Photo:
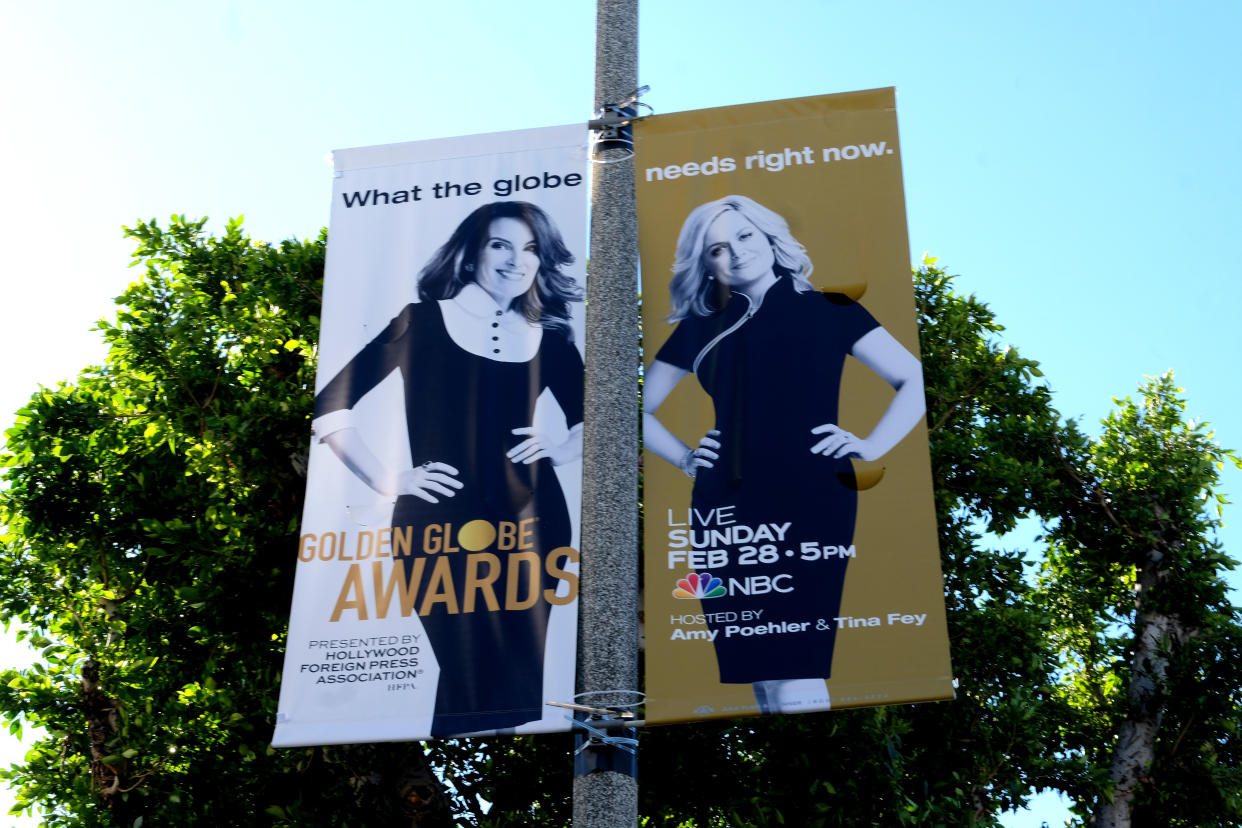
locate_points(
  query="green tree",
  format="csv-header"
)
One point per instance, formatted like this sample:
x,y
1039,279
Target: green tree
x,y
150,523
149,516
1148,637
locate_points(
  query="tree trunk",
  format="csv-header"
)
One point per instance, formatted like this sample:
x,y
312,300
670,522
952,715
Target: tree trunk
x,y
100,711
1156,636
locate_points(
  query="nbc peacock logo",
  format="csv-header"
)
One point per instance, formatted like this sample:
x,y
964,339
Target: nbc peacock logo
x,y
699,585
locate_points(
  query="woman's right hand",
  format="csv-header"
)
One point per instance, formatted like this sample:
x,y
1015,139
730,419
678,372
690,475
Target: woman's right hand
x,y
428,480
703,456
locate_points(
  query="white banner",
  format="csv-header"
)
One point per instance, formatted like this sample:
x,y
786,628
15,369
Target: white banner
x,y
436,587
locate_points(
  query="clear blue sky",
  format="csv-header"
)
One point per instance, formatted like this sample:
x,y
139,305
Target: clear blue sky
x,y
1075,163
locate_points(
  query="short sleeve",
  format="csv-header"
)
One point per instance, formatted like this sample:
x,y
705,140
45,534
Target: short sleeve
x,y
377,359
682,346
850,320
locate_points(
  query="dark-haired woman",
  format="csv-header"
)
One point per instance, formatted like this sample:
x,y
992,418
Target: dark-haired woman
x,y
490,334
769,350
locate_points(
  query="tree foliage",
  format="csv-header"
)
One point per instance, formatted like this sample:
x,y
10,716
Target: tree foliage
x,y
150,511
150,528
1148,638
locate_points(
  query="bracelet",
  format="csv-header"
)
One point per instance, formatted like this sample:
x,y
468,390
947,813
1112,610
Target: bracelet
x,y
687,464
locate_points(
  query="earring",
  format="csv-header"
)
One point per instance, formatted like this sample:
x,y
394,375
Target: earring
x,y
469,268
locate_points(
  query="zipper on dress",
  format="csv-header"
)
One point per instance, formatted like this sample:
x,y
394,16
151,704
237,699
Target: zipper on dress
x,y
750,311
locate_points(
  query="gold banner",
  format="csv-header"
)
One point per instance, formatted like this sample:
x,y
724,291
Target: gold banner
x,y
798,570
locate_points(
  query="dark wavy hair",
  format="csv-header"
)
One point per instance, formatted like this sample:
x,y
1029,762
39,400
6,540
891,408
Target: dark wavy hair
x,y
452,267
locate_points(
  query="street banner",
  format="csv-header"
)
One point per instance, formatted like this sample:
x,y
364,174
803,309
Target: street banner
x,y
437,565
791,561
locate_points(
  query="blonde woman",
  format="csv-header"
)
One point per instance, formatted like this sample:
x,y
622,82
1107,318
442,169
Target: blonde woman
x,y
769,350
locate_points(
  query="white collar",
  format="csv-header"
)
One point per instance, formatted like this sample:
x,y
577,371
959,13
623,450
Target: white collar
x,y
476,301
478,325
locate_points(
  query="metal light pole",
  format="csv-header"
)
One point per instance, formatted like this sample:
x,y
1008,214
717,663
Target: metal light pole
x,y
608,602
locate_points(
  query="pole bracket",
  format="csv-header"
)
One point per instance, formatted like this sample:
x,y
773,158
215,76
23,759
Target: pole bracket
x,y
605,738
613,127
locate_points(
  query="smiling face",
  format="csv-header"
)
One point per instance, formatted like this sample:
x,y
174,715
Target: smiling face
x,y
508,260
737,254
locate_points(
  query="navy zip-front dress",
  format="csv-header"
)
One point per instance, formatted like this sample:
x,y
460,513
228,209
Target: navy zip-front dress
x,y
461,409
773,374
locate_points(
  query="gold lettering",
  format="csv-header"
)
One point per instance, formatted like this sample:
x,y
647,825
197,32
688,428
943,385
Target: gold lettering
x,y
396,577
432,539
552,564
526,531
484,583
507,538
402,541
306,554
360,553
440,589
516,560
383,539
353,584
327,546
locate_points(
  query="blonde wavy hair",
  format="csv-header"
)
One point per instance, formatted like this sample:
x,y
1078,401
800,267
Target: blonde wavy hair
x,y
692,293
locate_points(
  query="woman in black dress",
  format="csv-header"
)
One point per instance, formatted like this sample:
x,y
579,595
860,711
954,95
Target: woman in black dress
x,y
490,334
770,349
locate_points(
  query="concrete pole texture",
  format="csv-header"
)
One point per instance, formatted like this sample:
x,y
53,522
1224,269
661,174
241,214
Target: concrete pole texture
x,y
608,602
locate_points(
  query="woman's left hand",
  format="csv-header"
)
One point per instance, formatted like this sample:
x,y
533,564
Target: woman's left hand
x,y
537,446
841,443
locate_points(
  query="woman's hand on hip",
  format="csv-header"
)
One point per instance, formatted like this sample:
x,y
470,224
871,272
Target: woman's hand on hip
x,y
538,446
838,442
702,456
429,480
